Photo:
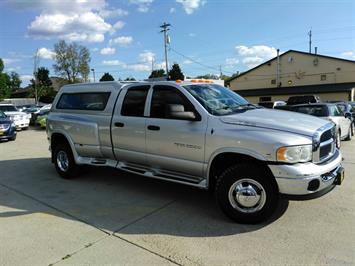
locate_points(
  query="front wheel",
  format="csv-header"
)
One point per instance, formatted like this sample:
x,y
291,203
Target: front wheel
x,y
247,193
64,161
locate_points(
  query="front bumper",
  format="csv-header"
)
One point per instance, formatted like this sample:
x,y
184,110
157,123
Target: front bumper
x,y
305,179
23,123
8,134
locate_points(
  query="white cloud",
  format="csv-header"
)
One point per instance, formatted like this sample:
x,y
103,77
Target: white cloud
x,y
95,49
113,63
232,61
8,61
191,6
187,62
255,55
111,13
74,20
143,5
74,27
26,78
172,10
122,40
349,54
45,53
108,51
146,57
192,34
139,67
118,25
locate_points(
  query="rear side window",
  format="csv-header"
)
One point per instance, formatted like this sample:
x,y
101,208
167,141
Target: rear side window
x,y
134,101
84,101
316,110
334,111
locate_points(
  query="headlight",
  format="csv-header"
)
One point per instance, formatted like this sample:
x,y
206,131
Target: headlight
x,y
294,154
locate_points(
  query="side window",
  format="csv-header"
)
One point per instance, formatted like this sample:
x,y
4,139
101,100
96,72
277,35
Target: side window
x,y
134,101
84,101
165,95
335,111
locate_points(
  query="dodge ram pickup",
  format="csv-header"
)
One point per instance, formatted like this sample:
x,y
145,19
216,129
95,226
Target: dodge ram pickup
x,y
196,133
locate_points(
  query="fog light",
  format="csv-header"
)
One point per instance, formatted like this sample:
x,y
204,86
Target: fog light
x,y
313,185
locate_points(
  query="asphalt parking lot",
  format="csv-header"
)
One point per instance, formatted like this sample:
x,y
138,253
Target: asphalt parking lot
x,y
110,217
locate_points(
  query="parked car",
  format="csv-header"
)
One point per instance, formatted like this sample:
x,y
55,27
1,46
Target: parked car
x,y
345,127
41,111
199,134
42,119
21,119
347,109
293,100
272,105
7,127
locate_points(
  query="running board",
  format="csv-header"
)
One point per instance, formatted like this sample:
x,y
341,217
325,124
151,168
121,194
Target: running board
x,y
163,176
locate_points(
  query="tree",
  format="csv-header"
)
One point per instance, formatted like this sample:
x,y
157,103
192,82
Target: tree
x,y
42,85
107,77
72,61
158,73
208,76
130,79
175,73
14,81
4,82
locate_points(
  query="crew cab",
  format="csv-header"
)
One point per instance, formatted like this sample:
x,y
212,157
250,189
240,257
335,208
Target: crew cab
x,y
196,133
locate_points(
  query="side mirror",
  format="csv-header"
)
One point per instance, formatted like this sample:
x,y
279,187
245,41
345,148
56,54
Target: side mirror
x,y
177,111
348,115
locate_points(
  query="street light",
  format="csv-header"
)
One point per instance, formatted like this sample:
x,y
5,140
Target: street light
x,y
93,73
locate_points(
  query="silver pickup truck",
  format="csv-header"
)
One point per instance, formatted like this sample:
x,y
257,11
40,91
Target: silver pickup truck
x,y
199,134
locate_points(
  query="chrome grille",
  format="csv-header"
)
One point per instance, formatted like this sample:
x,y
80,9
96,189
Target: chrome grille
x,y
325,146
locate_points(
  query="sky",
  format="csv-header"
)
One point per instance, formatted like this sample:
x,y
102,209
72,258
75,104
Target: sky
x,y
206,36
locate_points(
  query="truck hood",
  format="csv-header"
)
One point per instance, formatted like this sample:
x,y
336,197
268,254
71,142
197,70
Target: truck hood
x,y
277,120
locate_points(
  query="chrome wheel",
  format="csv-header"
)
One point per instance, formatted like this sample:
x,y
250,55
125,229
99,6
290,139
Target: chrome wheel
x,y
247,195
62,161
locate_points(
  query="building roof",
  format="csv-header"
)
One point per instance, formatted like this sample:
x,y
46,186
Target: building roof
x,y
290,51
308,89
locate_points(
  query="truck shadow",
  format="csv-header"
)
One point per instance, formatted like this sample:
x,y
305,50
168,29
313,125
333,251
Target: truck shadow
x,y
114,201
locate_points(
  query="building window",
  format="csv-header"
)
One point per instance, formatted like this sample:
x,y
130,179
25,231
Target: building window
x,y
323,77
265,99
273,81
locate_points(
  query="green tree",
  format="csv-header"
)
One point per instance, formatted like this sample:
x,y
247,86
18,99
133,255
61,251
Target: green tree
x,y
4,82
208,76
107,77
158,73
14,81
42,84
72,61
130,79
175,73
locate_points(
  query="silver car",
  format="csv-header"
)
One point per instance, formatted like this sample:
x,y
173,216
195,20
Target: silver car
x,y
332,113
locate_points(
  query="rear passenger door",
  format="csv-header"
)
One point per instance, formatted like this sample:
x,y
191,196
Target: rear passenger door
x,y
174,145
129,125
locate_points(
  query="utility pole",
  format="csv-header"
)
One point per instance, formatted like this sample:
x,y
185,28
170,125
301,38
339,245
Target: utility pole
x,y
220,72
310,41
35,69
165,29
152,63
93,73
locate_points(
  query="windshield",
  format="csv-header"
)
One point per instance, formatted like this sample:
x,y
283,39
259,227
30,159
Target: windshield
x,y
218,100
8,108
2,115
315,110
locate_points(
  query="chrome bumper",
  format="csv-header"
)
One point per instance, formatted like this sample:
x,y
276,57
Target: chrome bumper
x,y
308,178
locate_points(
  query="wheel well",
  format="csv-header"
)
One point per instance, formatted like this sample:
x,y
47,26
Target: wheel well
x,y
57,138
224,160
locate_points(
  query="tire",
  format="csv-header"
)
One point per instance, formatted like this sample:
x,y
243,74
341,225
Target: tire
x,y
13,138
64,161
338,140
353,129
349,136
253,179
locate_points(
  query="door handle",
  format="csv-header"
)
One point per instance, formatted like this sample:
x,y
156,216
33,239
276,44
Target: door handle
x,y
152,127
119,124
